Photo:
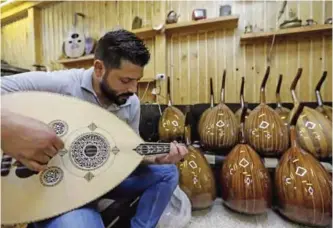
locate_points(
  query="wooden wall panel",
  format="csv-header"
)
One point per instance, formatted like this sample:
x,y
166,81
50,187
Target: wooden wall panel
x,y
15,48
215,51
193,58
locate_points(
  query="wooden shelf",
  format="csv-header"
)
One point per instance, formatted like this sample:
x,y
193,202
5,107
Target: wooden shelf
x,y
145,33
16,9
225,22
76,60
299,31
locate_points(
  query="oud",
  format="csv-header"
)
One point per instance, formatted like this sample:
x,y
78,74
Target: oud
x,y
100,151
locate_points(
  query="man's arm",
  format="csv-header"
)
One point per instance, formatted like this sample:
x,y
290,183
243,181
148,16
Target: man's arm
x,y
55,81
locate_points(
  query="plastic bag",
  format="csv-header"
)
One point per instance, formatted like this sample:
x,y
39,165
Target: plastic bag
x,y
178,212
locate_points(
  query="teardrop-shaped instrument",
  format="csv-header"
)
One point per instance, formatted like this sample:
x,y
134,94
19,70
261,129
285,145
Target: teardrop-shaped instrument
x,y
264,129
246,185
303,186
172,122
220,128
196,177
314,131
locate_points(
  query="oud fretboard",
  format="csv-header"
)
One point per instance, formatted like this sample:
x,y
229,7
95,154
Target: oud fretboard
x,y
153,148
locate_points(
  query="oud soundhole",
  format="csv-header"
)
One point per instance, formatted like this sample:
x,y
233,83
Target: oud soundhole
x,y
90,150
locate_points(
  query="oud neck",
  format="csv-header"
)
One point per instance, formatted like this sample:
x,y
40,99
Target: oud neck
x,y
151,148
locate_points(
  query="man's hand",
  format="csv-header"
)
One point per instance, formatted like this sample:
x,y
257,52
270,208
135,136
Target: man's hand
x,y
31,142
177,152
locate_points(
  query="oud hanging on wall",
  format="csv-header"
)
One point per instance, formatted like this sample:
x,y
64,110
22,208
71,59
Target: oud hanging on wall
x,y
323,109
283,112
264,129
219,128
172,122
314,131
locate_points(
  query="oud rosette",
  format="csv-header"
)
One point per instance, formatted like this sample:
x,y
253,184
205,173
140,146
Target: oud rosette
x,y
266,132
219,128
246,185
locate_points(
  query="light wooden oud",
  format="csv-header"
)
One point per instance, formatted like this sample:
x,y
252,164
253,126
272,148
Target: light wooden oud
x,y
283,112
246,185
241,98
323,109
100,152
303,186
196,177
264,129
172,122
220,128
314,131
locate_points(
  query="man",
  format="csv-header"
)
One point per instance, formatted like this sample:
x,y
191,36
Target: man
x,y
111,83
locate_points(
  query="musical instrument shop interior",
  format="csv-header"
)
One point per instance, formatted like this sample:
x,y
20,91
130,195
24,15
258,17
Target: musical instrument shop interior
x,y
245,85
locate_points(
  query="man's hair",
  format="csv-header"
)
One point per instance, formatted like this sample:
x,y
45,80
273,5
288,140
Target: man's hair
x,y
121,44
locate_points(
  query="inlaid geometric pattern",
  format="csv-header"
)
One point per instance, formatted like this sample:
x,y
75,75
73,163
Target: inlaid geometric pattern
x,y
92,126
300,171
244,163
89,176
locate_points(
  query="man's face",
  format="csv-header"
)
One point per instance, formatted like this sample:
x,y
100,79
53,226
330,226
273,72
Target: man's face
x,y
119,84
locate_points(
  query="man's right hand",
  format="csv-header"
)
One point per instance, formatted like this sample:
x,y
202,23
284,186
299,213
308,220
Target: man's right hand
x,y
30,141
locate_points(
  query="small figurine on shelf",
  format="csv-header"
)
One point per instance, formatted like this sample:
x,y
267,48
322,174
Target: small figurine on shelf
x,y
172,17
137,22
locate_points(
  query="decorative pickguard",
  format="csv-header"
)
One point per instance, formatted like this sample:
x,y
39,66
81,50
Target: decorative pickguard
x,y
153,148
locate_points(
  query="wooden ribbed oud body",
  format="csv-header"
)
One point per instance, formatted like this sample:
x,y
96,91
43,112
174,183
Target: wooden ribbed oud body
x,y
283,113
202,118
196,179
171,124
266,132
326,111
304,188
314,133
219,129
246,185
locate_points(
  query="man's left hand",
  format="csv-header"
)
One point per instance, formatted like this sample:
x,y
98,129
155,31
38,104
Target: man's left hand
x,y
177,152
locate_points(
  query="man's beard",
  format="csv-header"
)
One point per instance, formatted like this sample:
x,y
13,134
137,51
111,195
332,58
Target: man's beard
x,y
111,95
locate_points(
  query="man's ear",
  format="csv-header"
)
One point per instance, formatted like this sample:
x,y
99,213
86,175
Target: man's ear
x,y
99,68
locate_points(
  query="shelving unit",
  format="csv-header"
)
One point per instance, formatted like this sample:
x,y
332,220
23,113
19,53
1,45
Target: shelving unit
x,y
210,24
298,31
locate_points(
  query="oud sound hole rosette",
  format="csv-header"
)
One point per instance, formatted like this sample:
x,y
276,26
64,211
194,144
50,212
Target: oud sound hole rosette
x,y
60,127
89,151
51,176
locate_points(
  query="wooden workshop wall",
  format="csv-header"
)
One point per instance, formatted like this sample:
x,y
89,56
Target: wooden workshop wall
x,y
15,48
193,58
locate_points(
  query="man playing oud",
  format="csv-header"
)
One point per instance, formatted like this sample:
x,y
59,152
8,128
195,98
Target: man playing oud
x,y
111,83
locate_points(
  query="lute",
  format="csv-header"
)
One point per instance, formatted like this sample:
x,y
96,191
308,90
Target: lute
x,y
100,151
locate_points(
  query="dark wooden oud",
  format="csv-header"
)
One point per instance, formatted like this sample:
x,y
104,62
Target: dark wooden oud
x,y
264,129
196,177
246,185
100,151
283,112
304,187
241,96
323,109
172,122
314,131
219,129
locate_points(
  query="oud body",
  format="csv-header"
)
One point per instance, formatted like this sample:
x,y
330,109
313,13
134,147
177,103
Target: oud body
x,y
219,129
100,151
264,129
304,187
